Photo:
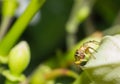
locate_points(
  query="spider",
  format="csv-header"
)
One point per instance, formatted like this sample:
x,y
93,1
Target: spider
x,y
83,54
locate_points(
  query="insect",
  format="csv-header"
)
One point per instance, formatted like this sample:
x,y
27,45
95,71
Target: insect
x,y
83,54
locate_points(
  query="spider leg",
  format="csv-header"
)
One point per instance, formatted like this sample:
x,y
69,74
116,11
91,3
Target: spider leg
x,y
95,42
92,49
81,65
88,51
80,61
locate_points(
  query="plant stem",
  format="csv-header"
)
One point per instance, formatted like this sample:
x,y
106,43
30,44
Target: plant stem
x,y
80,12
82,79
8,10
4,26
59,72
19,27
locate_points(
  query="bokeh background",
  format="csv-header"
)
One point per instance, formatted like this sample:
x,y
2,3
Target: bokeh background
x,y
47,34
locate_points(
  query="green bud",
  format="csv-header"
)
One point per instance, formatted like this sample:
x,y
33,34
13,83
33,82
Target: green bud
x,y
83,13
38,76
19,58
9,7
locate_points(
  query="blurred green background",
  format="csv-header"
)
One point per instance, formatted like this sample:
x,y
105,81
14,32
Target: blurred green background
x,y
48,35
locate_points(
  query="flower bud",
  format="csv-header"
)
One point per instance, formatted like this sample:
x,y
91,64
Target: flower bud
x,y
19,58
9,7
38,76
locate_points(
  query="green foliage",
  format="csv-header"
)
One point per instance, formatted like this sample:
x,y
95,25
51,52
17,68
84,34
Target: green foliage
x,y
64,26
